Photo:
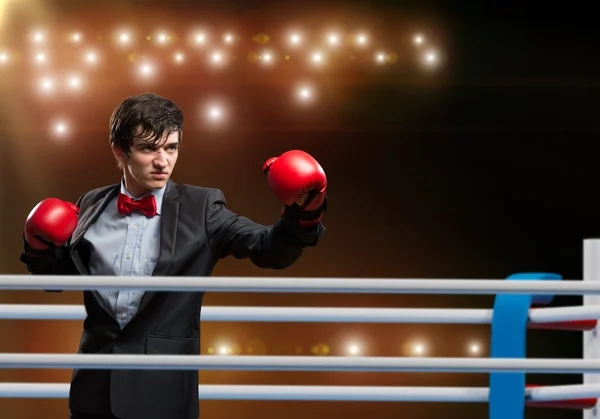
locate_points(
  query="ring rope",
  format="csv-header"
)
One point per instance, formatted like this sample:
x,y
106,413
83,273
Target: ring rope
x,y
330,393
299,363
320,314
299,285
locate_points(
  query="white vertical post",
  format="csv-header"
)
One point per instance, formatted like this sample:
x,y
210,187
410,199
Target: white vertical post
x,y
591,339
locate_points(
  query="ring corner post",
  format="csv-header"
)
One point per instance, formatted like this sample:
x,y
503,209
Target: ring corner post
x,y
591,340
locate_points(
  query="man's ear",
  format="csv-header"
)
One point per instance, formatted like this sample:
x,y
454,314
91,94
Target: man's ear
x,y
117,152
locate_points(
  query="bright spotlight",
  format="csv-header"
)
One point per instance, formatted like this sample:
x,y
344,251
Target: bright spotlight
x,y
38,37
333,39
223,350
418,349
266,58
317,58
41,58
124,37
3,57
305,94
46,84
217,58
75,37
178,57
162,38
60,129
228,38
295,39
430,58
146,69
474,348
198,38
418,39
74,82
361,39
380,57
90,57
353,349
215,113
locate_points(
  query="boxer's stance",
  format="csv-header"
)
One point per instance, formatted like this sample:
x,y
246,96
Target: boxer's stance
x,y
149,225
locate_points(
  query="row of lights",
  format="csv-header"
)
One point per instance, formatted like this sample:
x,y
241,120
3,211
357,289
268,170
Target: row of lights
x,y
201,38
352,349
217,57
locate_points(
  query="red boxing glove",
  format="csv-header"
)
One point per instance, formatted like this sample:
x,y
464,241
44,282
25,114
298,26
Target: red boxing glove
x,y
49,225
293,175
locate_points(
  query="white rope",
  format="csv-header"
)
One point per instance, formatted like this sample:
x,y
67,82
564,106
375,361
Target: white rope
x,y
299,285
319,314
329,393
298,363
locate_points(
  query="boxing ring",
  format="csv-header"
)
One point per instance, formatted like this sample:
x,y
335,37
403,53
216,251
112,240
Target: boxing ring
x,y
518,307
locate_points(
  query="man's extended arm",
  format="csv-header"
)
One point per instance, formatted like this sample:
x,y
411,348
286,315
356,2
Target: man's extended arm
x,y
276,246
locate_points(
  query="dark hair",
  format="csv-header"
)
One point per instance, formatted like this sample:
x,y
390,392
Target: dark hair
x,y
147,116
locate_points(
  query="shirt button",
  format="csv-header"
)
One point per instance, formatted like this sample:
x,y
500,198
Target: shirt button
x,y
134,227
128,256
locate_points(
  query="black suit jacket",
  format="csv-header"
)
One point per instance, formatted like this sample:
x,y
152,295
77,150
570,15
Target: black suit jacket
x,y
197,229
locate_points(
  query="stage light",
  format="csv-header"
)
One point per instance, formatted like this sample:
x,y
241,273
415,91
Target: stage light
x,y
215,113
431,57
75,37
90,57
353,349
198,38
361,39
295,39
47,85
418,39
217,58
38,37
317,58
266,58
3,57
60,129
124,38
474,348
333,39
146,69
418,349
41,58
305,93
178,57
380,57
74,82
228,38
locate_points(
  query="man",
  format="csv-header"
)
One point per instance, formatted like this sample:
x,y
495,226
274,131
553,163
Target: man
x,y
150,225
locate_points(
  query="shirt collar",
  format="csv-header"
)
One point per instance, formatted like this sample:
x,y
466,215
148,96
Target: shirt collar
x,y
158,195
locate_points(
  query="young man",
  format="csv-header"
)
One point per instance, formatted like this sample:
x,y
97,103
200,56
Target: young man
x,y
149,225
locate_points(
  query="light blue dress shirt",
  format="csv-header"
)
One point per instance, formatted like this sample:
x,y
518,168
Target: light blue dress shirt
x,y
125,245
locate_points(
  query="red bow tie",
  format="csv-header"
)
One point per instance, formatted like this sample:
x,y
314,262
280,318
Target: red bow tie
x,y
146,205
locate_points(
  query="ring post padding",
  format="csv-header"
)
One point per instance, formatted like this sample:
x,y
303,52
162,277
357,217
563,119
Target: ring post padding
x,y
509,340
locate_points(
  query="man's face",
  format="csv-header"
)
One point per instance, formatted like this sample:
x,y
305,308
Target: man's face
x,y
149,166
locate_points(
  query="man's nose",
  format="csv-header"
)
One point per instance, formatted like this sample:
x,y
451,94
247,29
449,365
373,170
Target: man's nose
x,y
160,160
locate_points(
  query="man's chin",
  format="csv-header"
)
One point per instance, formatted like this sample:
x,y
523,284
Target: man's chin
x,y
156,183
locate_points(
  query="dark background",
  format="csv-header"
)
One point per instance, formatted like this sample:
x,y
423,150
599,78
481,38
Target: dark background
x,y
480,168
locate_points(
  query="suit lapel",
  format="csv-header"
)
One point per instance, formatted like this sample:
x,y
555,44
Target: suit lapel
x,y
87,218
169,220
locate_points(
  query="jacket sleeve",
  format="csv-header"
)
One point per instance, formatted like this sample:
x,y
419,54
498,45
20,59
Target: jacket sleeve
x,y
275,246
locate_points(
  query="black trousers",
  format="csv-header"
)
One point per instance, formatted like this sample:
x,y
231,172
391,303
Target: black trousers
x,y
76,415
